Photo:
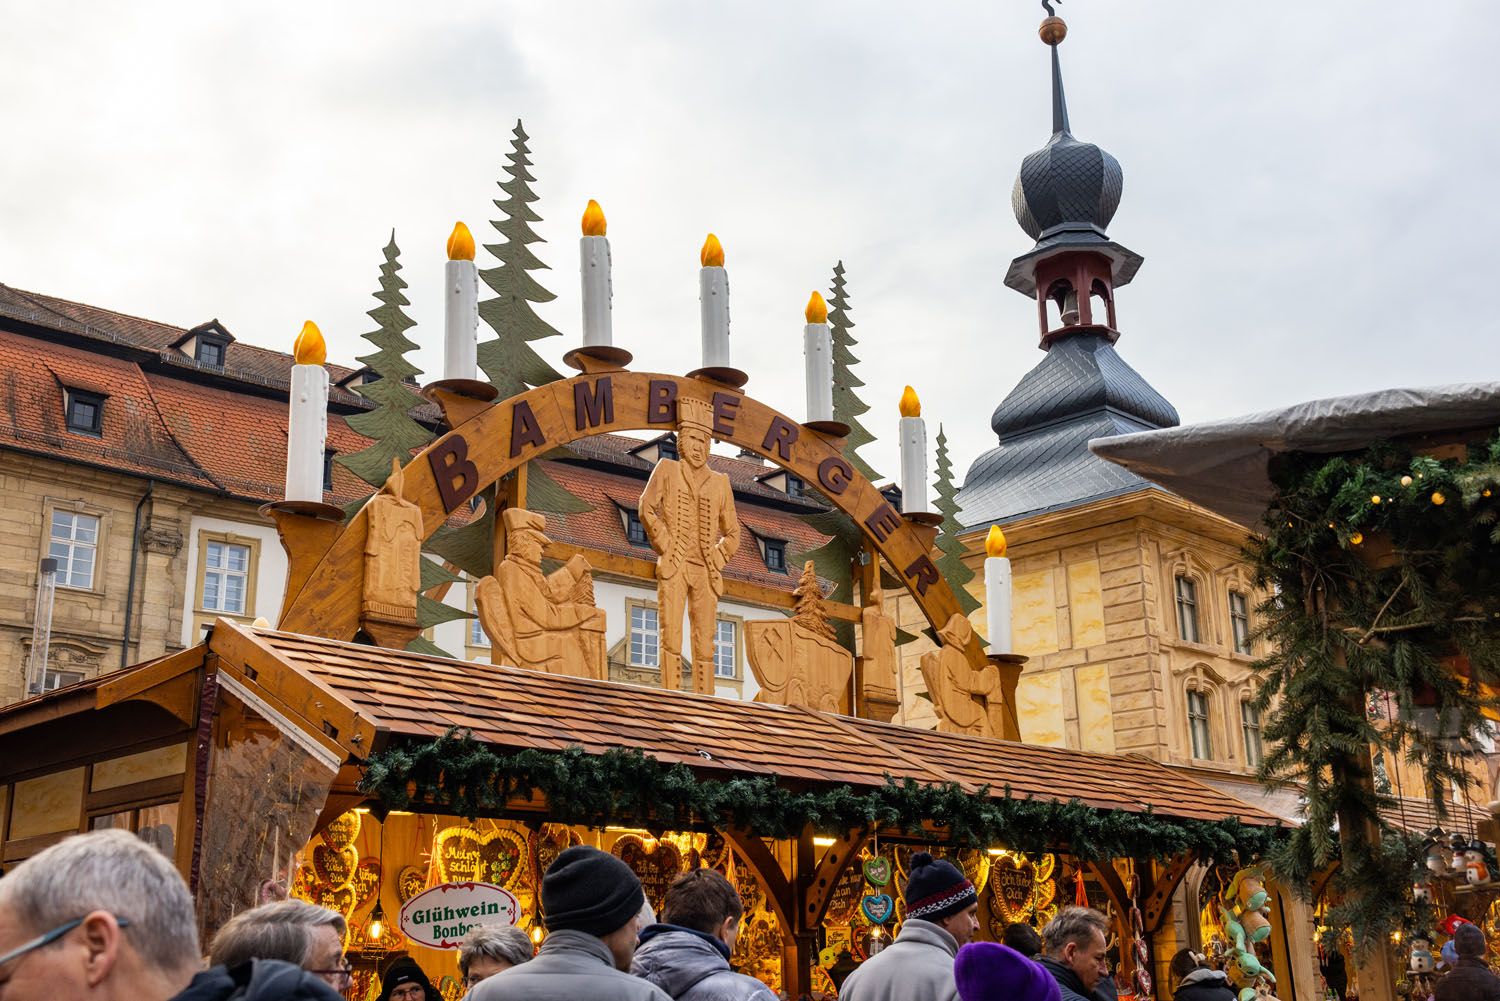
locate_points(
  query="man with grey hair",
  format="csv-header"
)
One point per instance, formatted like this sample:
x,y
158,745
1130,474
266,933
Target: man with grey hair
x,y
488,949
293,931
105,917
1075,951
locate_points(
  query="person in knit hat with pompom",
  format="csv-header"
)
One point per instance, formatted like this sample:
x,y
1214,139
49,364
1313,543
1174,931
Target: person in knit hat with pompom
x,y
941,909
592,907
989,971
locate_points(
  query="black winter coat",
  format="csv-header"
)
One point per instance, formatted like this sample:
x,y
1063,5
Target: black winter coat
x,y
1204,985
258,980
1470,980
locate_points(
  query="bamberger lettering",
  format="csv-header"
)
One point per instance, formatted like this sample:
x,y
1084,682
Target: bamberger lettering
x,y
661,402
835,474
524,429
593,405
883,521
780,436
725,405
922,573
455,474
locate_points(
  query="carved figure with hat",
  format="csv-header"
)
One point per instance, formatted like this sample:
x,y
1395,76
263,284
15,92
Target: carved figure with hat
x,y
539,621
688,512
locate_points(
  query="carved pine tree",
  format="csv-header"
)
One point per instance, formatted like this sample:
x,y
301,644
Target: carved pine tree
x,y
847,406
393,432
951,564
508,360
809,611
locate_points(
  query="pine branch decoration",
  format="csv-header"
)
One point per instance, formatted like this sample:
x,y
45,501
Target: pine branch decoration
x,y
951,564
847,406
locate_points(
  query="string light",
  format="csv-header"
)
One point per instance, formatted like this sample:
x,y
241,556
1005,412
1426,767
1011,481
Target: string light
x,y
1438,498
1356,538
1406,481
1374,498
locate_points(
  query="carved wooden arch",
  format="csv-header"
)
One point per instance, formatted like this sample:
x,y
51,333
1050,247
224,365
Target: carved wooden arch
x,y
489,440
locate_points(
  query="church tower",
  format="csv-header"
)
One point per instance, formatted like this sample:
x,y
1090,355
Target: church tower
x,y
1064,198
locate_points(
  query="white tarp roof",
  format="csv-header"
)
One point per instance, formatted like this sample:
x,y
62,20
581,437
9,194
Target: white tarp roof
x,y
1222,464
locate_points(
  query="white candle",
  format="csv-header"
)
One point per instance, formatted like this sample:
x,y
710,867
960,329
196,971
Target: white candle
x,y
593,254
913,453
997,591
307,424
817,352
461,318
713,301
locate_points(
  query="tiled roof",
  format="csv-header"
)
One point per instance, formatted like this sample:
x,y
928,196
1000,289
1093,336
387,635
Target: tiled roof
x,y
1081,390
1417,816
411,695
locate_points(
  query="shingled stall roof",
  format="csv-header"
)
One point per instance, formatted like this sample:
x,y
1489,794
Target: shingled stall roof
x,y
395,694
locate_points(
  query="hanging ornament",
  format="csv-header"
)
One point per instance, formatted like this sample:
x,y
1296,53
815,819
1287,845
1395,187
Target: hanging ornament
x,y
1356,538
1406,481
1420,960
877,870
1438,498
1421,890
1436,863
1080,892
1476,866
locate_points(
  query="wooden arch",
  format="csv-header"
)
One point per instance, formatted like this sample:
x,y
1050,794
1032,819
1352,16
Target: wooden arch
x,y
489,440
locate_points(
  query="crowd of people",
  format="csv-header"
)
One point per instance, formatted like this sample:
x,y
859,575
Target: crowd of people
x,y
105,917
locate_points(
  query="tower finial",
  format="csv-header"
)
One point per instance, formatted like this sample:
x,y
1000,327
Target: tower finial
x,y
1053,30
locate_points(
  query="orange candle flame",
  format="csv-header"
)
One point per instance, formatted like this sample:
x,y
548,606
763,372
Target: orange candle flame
x,y
994,543
910,405
309,348
460,243
593,220
712,254
817,309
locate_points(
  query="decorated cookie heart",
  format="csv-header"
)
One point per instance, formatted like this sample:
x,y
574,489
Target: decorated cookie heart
x,y
843,903
410,882
463,855
657,867
744,880
878,908
304,882
550,842
366,881
336,898
334,866
450,988
878,870
342,830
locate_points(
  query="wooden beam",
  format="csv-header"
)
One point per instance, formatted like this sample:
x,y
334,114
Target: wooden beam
x,y
818,893
1318,884
1158,903
768,874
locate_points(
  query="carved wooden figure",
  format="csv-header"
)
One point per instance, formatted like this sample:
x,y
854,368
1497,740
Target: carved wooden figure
x,y
797,661
967,701
687,510
536,621
393,564
877,659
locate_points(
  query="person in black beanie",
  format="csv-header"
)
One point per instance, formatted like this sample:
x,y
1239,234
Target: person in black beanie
x,y
405,981
590,906
941,909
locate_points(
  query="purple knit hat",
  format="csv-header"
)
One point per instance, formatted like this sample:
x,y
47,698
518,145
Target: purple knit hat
x,y
989,971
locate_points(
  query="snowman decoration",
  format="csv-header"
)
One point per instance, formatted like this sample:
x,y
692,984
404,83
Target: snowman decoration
x,y
1476,867
1421,954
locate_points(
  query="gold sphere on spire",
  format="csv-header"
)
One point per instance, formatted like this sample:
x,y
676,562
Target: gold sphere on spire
x,y
1053,30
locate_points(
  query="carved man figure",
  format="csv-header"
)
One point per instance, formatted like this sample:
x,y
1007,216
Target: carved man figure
x,y
393,564
964,698
536,621
878,657
687,510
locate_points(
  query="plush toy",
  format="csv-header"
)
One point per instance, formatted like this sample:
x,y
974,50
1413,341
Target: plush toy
x,y
1246,912
1476,867
1421,954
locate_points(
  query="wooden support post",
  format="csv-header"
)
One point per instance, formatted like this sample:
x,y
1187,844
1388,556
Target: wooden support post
x,y
1114,889
1158,898
800,943
817,894
780,896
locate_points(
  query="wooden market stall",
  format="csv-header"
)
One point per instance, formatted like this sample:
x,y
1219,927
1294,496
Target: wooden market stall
x,y
252,753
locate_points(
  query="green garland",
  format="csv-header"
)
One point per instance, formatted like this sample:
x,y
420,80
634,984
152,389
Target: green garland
x,y
457,773
1384,566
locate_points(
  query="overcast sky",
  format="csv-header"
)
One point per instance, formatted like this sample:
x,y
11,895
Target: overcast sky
x,y
1312,185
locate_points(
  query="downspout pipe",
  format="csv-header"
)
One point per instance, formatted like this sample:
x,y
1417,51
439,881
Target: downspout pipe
x,y
135,549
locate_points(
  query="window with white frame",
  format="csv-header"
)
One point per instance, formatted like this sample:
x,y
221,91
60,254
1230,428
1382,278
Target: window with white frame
x,y
645,637
477,636
1239,621
1198,726
53,680
74,544
226,574
1250,725
1187,609
724,646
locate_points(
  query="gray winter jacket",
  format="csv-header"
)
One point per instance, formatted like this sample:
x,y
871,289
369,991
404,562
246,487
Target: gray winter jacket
x,y
690,967
917,966
570,966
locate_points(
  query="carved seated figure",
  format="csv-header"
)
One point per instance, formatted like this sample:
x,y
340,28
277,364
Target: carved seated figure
x,y
537,621
966,700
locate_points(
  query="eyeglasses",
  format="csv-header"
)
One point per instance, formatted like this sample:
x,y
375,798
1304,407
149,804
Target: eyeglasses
x,y
345,972
52,936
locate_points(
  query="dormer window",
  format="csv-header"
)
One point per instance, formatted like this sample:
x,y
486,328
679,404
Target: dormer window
x,y
666,448
210,350
635,532
795,487
775,554
328,455
84,412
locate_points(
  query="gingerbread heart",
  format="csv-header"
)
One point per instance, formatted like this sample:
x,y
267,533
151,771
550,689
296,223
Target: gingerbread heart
x,y
304,883
843,903
450,988
751,893
877,870
334,866
342,830
336,898
410,882
463,855
549,842
657,867
878,908
366,881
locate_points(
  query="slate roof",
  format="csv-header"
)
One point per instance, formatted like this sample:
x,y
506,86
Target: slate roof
x,y
411,695
1081,390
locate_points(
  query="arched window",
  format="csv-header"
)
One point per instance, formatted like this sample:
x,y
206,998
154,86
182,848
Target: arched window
x,y
1187,609
1200,732
1250,730
1239,622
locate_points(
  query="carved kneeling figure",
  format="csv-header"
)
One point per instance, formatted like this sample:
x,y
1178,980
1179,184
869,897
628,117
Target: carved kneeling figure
x,y
537,621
